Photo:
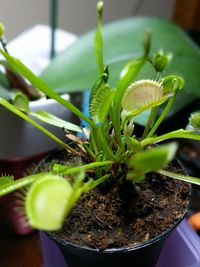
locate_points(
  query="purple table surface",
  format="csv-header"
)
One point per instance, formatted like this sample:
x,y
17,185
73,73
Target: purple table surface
x,y
182,249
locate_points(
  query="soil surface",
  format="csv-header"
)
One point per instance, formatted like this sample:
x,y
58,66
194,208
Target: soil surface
x,y
127,214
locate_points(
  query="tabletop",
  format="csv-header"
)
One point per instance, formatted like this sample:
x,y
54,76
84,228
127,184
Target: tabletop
x,y
20,250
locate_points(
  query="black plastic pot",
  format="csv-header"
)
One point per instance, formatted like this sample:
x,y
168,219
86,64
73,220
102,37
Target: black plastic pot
x,y
145,254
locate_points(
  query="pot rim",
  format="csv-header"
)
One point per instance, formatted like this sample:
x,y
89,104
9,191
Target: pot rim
x,y
121,249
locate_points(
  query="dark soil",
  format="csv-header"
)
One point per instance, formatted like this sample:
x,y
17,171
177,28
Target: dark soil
x,y
127,213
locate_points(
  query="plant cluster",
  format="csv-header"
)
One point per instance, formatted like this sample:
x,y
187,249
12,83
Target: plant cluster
x,y
109,144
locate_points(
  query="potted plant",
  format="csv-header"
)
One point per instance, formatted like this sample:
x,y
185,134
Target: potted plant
x,y
21,144
110,185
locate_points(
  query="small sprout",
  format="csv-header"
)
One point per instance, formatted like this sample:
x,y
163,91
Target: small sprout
x,y
172,83
194,120
161,61
2,30
100,9
47,201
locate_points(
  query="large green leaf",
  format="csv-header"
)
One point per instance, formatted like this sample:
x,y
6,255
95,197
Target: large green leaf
x,y
76,69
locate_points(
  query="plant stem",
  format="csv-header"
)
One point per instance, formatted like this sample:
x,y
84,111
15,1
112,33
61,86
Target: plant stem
x,y
105,146
128,74
17,184
98,39
162,116
18,66
149,121
184,134
67,170
19,113
177,176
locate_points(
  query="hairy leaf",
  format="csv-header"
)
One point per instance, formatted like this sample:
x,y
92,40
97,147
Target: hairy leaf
x,y
142,95
98,84
46,202
14,185
101,102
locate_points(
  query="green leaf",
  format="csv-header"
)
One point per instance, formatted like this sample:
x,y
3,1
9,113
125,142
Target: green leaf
x,y
127,75
101,102
58,168
184,134
25,117
152,159
76,69
21,102
14,185
94,183
19,67
55,121
178,176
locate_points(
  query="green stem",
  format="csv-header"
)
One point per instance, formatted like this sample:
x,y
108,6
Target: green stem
x,y
177,176
104,144
128,74
18,66
98,39
149,121
94,141
184,134
67,170
15,185
162,116
89,151
19,113
91,184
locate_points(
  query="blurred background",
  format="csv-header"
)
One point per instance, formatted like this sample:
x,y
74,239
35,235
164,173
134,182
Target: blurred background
x,y
77,16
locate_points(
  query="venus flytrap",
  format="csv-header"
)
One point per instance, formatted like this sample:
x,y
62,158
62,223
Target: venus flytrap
x,y
109,151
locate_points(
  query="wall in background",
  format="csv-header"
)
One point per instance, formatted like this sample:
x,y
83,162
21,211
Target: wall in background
x,y
76,16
